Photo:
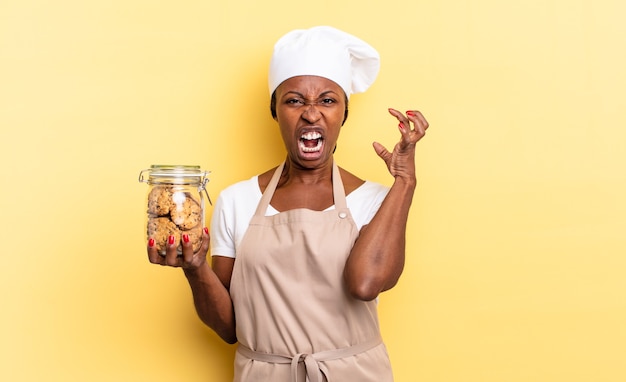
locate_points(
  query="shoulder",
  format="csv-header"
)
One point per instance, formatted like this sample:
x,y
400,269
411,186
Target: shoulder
x,y
238,198
365,201
231,214
245,188
369,191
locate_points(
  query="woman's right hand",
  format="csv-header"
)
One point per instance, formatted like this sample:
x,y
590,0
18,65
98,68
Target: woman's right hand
x,y
189,260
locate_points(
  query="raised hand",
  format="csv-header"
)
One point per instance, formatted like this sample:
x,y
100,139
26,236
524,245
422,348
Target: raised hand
x,y
401,161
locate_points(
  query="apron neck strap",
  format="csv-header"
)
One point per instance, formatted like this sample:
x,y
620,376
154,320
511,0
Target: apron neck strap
x,y
339,194
269,191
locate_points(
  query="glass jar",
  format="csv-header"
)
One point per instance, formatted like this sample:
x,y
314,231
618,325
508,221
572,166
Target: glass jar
x,y
175,204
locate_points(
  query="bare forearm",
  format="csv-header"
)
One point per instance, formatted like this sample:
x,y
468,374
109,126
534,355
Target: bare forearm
x,y
377,258
212,301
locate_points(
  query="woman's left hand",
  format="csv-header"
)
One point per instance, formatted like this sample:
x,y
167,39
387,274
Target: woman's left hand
x,y
401,161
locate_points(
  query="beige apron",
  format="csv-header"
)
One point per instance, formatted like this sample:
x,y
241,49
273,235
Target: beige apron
x,y
295,318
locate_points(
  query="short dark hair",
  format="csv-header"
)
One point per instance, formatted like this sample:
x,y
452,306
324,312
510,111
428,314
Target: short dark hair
x,y
273,107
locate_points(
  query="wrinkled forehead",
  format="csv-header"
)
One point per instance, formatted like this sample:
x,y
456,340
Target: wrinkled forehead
x,y
309,86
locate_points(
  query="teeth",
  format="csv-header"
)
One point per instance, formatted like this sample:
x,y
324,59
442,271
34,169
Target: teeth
x,y
311,135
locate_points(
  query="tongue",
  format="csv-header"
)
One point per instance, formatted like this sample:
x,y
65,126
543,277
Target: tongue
x,y
310,142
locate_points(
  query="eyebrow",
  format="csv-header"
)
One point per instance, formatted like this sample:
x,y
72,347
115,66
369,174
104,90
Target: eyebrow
x,y
324,93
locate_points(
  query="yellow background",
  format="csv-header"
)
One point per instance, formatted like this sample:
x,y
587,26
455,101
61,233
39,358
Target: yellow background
x,y
516,268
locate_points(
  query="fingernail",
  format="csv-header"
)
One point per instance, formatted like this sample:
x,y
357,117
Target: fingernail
x,y
410,113
170,239
206,230
186,238
401,126
151,242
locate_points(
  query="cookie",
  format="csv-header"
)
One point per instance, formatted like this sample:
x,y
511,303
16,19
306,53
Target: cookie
x,y
160,229
172,211
159,201
185,211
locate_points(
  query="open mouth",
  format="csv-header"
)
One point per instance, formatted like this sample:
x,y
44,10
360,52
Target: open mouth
x,y
311,142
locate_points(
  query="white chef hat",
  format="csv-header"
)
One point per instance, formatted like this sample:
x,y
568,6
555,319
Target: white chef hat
x,y
326,52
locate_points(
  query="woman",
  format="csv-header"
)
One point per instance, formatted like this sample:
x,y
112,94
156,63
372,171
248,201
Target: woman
x,y
300,252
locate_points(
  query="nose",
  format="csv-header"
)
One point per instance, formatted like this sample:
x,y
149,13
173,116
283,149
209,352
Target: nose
x,y
311,114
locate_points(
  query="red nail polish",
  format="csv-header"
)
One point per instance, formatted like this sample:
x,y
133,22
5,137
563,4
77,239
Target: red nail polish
x,y
206,230
170,239
151,242
186,238
410,113
401,126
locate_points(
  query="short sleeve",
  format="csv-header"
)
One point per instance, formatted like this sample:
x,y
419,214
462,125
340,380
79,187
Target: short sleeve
x,y
233,210
222,239
365,201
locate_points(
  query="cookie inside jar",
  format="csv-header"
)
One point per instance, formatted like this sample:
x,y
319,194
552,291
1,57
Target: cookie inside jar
x,y
174,211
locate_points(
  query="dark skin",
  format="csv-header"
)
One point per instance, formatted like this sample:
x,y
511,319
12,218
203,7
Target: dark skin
x,y
308,105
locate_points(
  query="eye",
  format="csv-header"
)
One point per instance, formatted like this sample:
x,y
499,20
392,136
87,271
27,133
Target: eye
x,y
327,101
294,101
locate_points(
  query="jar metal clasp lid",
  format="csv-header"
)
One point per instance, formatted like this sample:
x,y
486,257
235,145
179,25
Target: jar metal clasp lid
x,y
157,171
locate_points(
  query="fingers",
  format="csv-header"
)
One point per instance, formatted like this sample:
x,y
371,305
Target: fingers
x,y
171,253
206,239
404,124
420,124
382,152
397,114
153,253
155,256
173,256
187,248
190,257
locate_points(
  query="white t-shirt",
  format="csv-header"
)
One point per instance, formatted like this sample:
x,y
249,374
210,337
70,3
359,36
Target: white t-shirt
x,y
236,205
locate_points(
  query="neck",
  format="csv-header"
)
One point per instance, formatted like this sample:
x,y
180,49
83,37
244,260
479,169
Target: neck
x,y
293,173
